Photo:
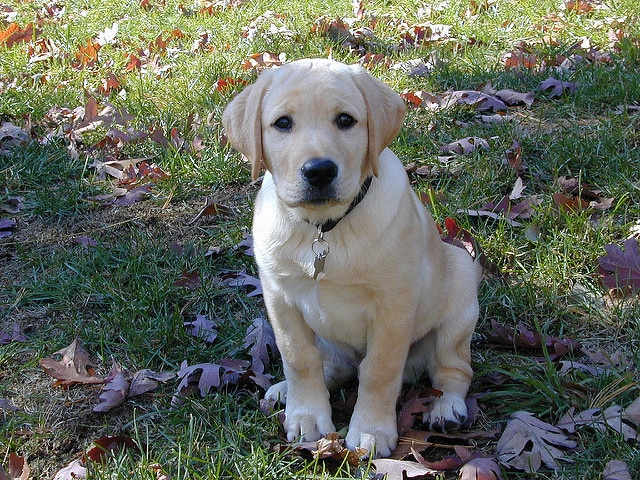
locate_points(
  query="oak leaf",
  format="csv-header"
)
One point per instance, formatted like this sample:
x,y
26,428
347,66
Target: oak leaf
x,y
616,470
465,146
203,328
74,367
18,468
527,442
114,391
260,341
625,422
620,269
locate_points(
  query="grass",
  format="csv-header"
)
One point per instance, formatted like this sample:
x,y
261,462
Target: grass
x,y
120,296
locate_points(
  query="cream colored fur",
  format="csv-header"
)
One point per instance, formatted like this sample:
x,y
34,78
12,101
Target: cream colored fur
x,y
393,301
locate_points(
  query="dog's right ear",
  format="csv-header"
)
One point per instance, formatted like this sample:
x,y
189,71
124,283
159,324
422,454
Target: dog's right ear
x,y
242,121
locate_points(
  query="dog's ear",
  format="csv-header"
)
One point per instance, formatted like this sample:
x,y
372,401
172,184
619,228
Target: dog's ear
x,y
385,113
242,121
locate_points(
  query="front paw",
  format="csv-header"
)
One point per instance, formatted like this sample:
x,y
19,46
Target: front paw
x,y
378,437
307,423
448,412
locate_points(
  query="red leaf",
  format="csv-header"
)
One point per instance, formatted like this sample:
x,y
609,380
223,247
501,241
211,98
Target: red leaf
x,y
87,56
110,446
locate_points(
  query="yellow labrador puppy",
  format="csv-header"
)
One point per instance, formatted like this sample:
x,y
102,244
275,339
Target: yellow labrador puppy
x,y
356,278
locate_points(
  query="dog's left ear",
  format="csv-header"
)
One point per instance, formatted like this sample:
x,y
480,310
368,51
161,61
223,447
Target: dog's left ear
x,y
242,121
385,113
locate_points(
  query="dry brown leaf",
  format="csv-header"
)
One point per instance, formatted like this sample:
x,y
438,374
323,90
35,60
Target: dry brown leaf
x,y
74,367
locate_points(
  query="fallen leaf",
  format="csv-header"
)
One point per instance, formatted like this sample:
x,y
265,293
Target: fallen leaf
x,y
18,468
5,228
392,469
465,146
206,376
212,209
74,367
625,422
616,470
74,471
479,100
331,447
146,380
261,61
203,328
87,55
190,280
480,469
11,137
511,97
114,391
526,338
16,335
261,344
14,34
620,269
243,279
558,87
109,446
527,442
7,406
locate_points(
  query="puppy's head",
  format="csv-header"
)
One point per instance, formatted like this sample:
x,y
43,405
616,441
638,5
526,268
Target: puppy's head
x,y
319,127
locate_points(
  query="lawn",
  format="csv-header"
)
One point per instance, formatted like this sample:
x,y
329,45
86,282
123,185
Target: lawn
x,y
125,221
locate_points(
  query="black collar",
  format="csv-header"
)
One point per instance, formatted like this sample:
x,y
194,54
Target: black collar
x,y
330,224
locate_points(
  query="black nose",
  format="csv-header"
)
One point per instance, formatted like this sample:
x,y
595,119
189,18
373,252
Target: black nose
x,y
319,172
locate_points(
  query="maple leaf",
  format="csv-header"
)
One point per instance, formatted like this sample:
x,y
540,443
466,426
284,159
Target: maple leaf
x,y
202,328
261,342
74,367
465,146
114,391
87,55
625,422
18,468
14,34
620,269
527,442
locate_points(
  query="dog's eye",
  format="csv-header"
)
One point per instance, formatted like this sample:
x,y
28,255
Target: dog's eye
x,y
344,121
283,123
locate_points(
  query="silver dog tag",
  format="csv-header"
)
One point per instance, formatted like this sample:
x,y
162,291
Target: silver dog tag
x,y
318,266
320,249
